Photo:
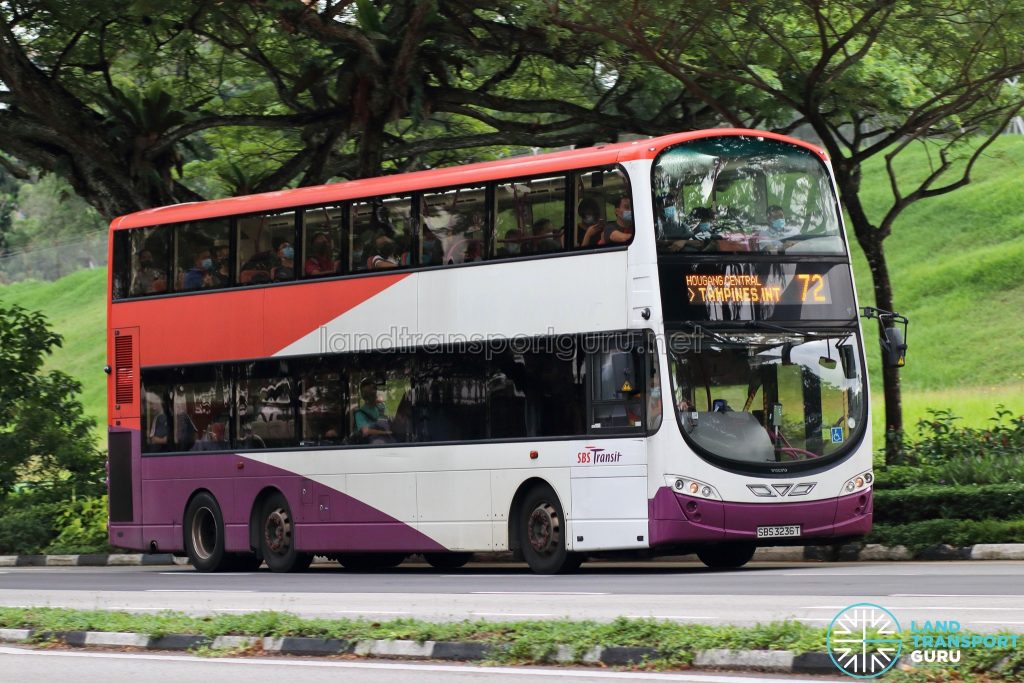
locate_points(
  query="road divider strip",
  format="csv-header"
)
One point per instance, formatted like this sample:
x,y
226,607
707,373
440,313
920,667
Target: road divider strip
x,y
748,660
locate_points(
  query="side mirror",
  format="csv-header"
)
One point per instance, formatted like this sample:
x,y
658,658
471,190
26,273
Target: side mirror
x,y
894,348
893,339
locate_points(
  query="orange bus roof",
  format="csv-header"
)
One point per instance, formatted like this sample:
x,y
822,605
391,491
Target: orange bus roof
x,y
452,176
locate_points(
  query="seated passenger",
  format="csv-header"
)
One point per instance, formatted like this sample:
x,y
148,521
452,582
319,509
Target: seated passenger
x,y
622,229
591,225
148,278
431,251
200,275
321,260
511,244
284,267
372,423
384,257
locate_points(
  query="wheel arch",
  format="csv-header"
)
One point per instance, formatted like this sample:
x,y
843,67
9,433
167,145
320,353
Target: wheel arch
x,y
514,516
254,515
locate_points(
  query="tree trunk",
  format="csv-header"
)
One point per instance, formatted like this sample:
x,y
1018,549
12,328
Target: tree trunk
x,y
870,240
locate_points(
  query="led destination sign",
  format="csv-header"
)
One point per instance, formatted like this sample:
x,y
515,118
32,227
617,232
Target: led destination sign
x,y
766,290
723,288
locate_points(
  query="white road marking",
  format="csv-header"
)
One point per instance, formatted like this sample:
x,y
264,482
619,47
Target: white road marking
x,y
664,616
195,590
395,666
929,607
534,593
509,614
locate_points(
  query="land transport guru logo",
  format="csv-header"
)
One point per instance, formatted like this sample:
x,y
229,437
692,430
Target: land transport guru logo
x,y
864,640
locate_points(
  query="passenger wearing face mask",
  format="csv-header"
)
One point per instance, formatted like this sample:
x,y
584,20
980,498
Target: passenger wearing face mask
x,y
511,244
200,275
284,267
776,219
591,225
622,229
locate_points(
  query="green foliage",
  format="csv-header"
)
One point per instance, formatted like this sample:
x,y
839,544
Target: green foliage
x,y
917,536
942,440
82,527
46,444
28,525
921,503
49,211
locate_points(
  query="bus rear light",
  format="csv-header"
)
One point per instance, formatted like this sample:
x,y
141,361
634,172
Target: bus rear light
x,y
859,481
534,455
679,485
694,487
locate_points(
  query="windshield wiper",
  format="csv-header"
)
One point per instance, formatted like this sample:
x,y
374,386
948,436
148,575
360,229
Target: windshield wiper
x,y
711,333
754,324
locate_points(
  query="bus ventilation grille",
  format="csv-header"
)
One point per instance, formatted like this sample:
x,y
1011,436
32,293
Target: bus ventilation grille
x,y
125,378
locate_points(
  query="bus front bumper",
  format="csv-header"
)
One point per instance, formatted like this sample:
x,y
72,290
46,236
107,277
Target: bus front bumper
x,y
677,519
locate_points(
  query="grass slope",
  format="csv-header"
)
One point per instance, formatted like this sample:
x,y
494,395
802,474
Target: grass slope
x,y
956,262
957,268
75,308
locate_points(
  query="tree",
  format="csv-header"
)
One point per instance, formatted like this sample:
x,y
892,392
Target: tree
x,y
44,437
144,104
870,78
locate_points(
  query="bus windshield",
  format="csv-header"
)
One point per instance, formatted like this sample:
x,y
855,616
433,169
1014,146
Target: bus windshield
x,y
768,398
744,194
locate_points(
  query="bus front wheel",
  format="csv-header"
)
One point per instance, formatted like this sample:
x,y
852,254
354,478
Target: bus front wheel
x,y
727,555
542,532
447,560
277,537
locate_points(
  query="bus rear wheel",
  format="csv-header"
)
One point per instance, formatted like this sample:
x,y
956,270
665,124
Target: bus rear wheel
x,y
727,555
447,560
277,537
542,533
204,534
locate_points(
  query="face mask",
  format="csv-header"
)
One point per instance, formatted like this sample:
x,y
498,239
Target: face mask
x,y
589,219
320,248
627,216
288,252
655,392
207,264
704,225
778,224
145,264
513,248
670,213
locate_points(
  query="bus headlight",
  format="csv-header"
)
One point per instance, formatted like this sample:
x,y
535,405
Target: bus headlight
x,y
691,487
859,483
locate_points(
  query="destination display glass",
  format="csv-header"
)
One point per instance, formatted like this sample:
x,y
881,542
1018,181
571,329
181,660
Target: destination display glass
x,y
722,292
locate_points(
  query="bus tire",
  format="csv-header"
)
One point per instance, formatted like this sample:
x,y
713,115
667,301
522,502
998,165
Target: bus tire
x,y
277,537
370,561
727,555
447,560
542,533
204,534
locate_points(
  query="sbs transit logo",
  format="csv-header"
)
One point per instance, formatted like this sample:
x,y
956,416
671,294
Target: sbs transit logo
x,y
864,640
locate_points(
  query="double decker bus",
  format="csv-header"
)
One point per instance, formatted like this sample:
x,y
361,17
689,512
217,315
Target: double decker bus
x,y
641,348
